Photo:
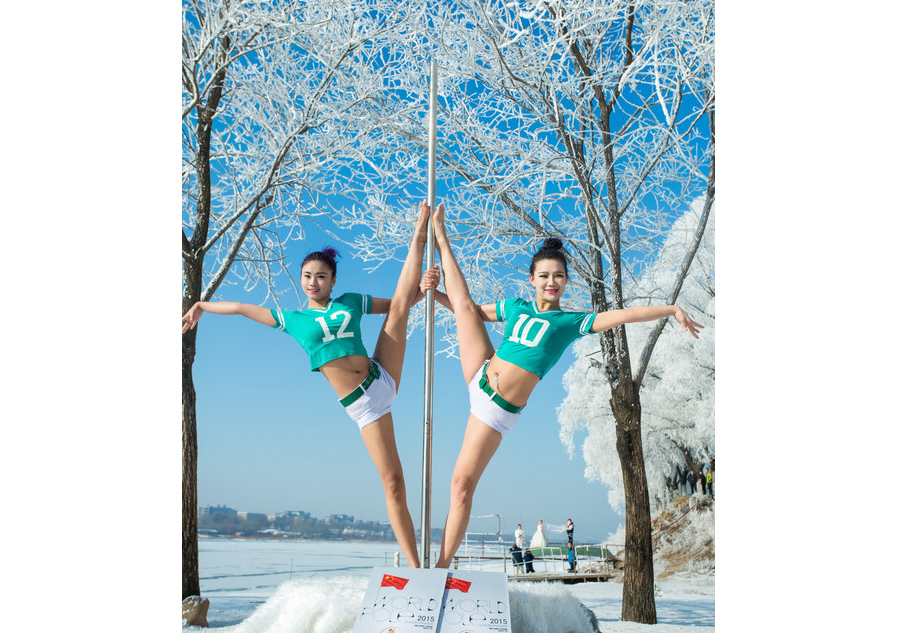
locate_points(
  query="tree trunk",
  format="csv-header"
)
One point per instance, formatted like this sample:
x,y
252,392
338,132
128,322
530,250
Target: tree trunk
x,y
190,549
638,601
192,260
190,556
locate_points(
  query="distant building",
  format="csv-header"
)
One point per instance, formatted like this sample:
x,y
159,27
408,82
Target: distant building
x,y
208,511
339,518
293,514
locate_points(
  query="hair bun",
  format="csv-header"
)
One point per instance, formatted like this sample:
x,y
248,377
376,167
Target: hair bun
x,y
552,243
330,252
552,248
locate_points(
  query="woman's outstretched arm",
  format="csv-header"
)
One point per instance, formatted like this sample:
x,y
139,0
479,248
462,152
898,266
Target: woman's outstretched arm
x,y
614,318
430,280
256,313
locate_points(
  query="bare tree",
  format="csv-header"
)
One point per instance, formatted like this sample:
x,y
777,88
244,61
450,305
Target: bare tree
x,y
678,390
591,119
272,105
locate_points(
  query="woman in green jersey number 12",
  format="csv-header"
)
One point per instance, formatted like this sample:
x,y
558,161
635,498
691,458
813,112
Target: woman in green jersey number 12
x,y
329,331
536,334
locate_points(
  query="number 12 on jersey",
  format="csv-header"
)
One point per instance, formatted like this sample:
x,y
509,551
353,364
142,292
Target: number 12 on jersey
x,y
341,333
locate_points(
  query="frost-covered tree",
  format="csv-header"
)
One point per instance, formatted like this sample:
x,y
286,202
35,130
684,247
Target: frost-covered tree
x,y
273,96
589,119
678,392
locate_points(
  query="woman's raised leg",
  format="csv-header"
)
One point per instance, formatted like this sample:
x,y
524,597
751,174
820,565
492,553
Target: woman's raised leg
x,y
391,346
475,345
479,445
480,441
382,446
389,352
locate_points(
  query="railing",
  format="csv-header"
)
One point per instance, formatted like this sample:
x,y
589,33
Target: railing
x,y
487,555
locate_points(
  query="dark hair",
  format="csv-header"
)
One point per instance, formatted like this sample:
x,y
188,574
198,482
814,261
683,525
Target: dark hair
x,y
327,255
550,249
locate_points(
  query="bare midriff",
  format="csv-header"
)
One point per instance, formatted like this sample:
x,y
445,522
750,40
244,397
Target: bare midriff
x,y
346,373
513,383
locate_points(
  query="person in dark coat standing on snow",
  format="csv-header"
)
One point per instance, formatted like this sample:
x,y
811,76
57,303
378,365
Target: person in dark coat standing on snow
x,y
516,552
692,483
528,557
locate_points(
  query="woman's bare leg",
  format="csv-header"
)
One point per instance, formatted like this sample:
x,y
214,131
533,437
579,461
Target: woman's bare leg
x,y
479,445
382,446
480,441
475,346
389,352
391,346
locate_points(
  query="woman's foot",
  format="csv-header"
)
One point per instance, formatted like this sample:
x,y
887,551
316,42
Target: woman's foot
x,y
437,223
420,233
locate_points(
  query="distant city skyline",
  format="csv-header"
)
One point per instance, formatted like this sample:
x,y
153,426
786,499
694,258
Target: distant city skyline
x,y
339,518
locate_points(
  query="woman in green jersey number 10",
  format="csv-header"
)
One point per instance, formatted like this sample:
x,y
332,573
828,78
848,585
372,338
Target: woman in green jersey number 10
x,y
537,332
329,332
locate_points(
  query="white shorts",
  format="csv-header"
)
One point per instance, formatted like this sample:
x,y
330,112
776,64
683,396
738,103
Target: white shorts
x,y
484,407
376,397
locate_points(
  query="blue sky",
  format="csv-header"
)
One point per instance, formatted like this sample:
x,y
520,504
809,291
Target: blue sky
x,y
272,436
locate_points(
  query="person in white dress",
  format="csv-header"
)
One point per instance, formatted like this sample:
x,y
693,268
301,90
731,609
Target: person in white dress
x,y
539,540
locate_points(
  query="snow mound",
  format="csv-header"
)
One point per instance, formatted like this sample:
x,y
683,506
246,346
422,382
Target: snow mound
x,y
309,606
548,608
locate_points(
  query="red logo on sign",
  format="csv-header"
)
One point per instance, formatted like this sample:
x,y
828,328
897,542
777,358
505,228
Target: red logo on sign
x,y
456,583
394,581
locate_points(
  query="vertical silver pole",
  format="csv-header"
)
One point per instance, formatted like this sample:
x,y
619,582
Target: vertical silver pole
x,y
425,552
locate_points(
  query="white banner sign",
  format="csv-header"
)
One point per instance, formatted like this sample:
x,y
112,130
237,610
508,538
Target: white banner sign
x,y
402,600
475,602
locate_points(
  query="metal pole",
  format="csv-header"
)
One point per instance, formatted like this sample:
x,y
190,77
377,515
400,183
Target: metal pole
x,y
425,553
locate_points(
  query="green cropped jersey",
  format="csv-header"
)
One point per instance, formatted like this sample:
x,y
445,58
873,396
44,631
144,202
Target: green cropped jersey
x,y
330,333
535,340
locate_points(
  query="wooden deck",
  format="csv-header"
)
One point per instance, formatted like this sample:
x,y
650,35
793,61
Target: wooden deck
x,y
567,579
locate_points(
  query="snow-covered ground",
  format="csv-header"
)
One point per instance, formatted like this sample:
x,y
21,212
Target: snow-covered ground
x,y
683,605
317,587
329,605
